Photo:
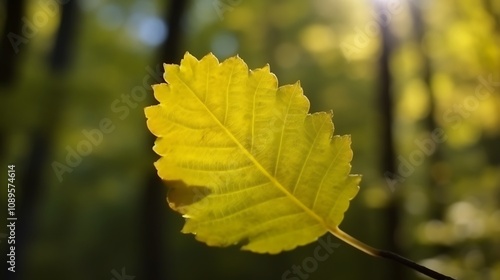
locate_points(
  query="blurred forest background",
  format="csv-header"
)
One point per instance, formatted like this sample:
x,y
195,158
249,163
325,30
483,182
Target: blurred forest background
x,y
416,84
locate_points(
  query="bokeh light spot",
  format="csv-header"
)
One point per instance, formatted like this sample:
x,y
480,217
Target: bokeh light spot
x,y
224,45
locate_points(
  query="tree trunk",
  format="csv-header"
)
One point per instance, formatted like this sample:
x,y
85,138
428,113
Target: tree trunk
x,y
388,152
154,206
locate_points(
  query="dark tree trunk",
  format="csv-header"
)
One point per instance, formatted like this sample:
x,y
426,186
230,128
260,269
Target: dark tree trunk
x,y
61,53
435,188
170,50
491,141
155,266
388,152
9,52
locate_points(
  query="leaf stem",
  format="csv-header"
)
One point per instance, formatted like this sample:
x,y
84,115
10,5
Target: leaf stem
x,y
387,255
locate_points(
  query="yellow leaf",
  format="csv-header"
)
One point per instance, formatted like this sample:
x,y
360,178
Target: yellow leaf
x,y
272,175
